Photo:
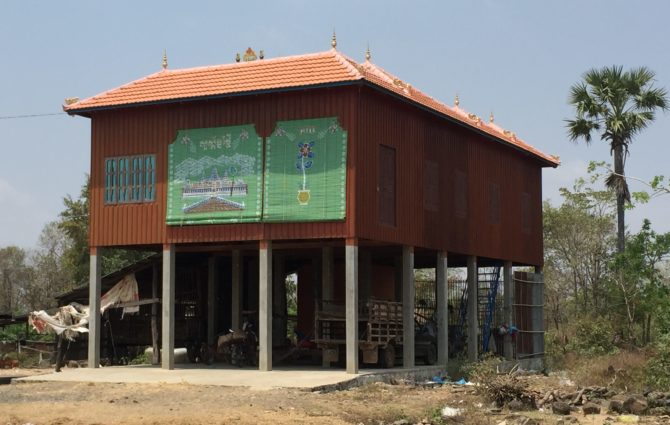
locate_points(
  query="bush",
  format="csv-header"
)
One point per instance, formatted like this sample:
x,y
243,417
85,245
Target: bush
x,y
593,337
555,349
484,370
658,366
142,358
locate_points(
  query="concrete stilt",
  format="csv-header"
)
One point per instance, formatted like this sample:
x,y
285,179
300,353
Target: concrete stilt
x,y
95,283
167,323
473,313
408,291
351,302
236,293
508,309
442,309
211,300
265,305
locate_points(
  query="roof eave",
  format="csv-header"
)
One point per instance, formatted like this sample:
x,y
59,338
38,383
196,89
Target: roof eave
x,y
87,111
544,161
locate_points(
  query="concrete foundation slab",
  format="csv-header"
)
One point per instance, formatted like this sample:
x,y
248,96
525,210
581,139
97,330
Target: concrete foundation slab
x,y
302,378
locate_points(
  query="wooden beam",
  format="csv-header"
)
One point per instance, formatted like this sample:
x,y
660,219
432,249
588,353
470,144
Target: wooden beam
x,y
136,303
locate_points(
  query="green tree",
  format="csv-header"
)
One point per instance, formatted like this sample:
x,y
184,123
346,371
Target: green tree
x,y
640,287
14,277
618,105
74,222
578,237
51,275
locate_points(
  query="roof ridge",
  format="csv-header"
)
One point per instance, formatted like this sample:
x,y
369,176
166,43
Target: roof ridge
x,y
348,62
309,69
244,64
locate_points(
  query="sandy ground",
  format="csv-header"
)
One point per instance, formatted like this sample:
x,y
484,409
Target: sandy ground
x,y
98,403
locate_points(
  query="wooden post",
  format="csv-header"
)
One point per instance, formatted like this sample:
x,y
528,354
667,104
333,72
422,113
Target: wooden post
x,y
327,273
156,352
236,293
211,300
508,308
279,306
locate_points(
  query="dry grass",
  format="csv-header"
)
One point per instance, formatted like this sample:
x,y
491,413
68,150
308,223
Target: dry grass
x,y
624,370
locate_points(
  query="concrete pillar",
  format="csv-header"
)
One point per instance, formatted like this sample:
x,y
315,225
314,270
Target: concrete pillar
x,y
351,303
265,305
211,301
408,306
473,313
327,273
508,307
95,284
442,309
167,324
236,293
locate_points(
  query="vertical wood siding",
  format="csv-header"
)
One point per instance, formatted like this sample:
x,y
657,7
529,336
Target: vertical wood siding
x,y
422,139
426,216
150,130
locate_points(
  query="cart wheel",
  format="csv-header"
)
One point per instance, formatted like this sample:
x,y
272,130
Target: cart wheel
x,y
431,355
387,357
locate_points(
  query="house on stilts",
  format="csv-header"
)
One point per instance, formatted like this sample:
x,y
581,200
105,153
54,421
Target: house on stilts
x,y
332,171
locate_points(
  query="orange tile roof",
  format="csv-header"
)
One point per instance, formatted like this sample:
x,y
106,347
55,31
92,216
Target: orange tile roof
x,y
287,72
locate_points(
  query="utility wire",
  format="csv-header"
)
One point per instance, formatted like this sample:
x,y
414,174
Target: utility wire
x,y
12,117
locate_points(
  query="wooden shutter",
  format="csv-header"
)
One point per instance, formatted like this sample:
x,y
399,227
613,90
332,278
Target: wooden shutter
x,y
460,194
386,186
494,203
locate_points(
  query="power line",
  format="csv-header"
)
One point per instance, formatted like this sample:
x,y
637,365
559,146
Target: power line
x,y
12,117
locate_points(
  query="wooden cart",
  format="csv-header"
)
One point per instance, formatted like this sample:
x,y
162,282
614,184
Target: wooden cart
x,y
380,330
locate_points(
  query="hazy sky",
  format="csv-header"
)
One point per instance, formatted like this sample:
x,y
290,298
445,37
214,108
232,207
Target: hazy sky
x,y
514,58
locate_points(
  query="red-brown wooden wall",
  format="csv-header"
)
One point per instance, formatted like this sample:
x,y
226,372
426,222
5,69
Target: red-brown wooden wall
x,y
370,118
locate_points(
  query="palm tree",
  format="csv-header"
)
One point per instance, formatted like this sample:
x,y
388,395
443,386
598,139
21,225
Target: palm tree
x,y
618,105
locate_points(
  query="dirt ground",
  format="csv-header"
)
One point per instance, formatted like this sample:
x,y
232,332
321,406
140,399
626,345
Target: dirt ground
x,y
88,403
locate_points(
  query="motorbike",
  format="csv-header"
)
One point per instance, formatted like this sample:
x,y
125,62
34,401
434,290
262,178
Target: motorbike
x,y
239,347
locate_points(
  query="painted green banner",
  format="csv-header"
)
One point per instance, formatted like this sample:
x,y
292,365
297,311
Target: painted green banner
x,y
305,171
215,176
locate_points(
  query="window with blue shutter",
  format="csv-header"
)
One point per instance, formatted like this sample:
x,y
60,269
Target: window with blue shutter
x,y
130,179
149,178
110,181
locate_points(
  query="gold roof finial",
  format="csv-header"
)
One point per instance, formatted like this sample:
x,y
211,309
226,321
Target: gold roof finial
x,y
333,41
491,117
249,55
457,101
165,62
237,57
367,53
